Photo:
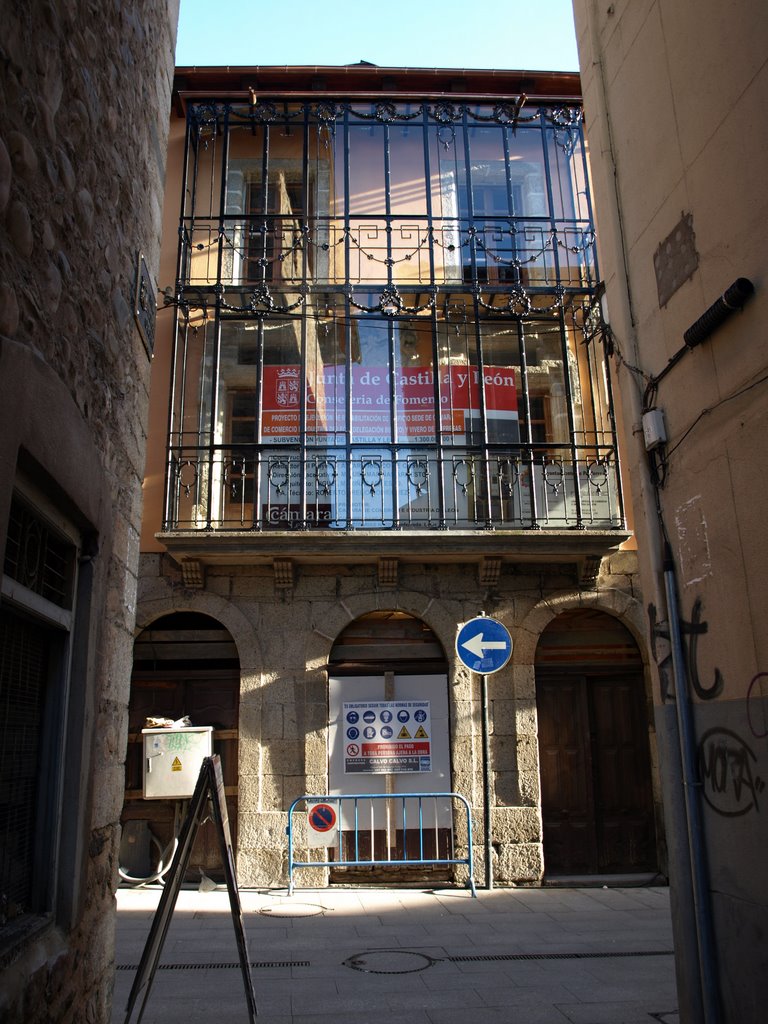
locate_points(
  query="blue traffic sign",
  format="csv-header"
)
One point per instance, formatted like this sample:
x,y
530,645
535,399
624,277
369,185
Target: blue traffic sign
x,y
484,645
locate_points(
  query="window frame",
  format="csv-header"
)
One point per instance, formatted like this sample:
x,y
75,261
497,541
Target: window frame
x,y
52,838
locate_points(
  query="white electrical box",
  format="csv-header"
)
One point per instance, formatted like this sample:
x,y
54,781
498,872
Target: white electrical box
x,y
654,431
172,760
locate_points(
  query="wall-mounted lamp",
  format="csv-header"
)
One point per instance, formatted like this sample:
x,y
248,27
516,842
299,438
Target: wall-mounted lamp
x,y
730,301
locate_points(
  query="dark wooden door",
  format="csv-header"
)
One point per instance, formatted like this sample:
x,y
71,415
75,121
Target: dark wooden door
x,y
596,794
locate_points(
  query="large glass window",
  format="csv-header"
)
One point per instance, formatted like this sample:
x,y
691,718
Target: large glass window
x,y
384,321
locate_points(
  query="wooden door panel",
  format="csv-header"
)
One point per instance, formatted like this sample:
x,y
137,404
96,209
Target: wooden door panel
x,y
566,794
596,797
623,796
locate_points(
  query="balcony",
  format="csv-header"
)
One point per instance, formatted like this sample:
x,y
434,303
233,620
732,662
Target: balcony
x,y
240,505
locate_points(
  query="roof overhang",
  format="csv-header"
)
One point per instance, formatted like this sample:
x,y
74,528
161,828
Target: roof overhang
x,y
358,81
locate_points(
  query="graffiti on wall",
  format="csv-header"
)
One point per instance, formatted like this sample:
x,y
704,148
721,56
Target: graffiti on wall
x,y
755,708
690,633
727,763
730,784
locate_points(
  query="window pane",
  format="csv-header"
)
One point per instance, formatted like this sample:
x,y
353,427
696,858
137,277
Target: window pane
x,y
370,382
408,185
488,172
366,169
414,381
546,384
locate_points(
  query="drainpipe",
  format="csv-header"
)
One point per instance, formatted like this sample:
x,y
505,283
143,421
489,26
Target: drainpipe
x,y
691,791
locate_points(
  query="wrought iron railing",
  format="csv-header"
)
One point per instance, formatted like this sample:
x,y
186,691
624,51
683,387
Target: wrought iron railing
x,y
244,251
392,487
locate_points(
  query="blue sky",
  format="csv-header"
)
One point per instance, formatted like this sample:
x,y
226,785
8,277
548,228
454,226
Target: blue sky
x,y
525,35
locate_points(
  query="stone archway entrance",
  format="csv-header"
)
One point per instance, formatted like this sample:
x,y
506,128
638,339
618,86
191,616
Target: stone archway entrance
x,y
185,663
388,696
593,720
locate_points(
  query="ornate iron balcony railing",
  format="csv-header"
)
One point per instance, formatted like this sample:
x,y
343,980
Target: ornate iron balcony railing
x,y
389,487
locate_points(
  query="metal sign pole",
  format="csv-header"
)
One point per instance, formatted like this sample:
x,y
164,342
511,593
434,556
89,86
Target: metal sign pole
x,y
484,645
486,782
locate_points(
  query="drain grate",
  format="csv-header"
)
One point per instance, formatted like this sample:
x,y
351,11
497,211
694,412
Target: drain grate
x,y
209,967
557,956
403,961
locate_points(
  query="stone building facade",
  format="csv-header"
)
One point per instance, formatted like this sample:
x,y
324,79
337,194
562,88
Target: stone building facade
x,y
84,94
354,245
676,116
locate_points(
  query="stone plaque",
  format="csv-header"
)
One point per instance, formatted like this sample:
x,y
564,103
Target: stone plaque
x,y
675,259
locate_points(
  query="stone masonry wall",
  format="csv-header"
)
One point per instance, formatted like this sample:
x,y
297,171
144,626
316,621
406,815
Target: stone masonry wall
x,y
284,639
85,89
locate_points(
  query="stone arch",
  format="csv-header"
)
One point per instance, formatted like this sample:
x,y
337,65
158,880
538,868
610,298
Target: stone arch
x,y
436,614
185,662
619,604
243,632
322,639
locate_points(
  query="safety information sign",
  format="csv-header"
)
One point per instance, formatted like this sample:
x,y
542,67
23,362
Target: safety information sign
x,y
387,736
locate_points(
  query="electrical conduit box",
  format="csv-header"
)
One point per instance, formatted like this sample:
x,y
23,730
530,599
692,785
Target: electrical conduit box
x,y
172,760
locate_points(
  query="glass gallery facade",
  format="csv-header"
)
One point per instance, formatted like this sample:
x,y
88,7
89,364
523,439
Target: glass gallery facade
x,y
388,318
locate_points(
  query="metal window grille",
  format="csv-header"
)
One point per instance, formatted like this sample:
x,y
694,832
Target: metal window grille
x,y
24,647
36,557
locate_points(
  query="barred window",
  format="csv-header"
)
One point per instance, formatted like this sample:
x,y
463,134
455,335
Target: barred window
x,y
36,620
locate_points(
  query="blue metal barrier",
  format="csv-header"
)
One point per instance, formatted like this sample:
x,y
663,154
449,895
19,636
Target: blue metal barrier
x,y
357,840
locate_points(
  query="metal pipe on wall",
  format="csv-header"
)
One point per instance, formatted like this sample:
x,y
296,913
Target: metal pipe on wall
x,y
691,787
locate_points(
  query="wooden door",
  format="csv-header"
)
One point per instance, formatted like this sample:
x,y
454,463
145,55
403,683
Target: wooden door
x,y
567,795
596,797
626,839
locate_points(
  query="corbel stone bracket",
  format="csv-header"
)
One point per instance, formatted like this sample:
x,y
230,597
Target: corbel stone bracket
x,y
488,572
388,573
193,574
284,574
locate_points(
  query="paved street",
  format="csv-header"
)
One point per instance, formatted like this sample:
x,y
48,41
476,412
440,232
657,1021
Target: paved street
x,y
400,956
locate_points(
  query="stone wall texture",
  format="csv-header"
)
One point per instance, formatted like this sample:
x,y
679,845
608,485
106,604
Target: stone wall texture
x,y
284,639
677,137
85,89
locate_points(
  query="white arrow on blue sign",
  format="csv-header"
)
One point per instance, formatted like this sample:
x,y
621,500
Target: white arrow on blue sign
x,y
484,645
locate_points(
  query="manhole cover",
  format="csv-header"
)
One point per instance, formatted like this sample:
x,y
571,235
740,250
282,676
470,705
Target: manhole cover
x,y
293,910
389,961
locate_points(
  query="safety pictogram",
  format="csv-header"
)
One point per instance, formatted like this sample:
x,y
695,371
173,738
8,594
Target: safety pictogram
x,y
421,733
404,734
176,765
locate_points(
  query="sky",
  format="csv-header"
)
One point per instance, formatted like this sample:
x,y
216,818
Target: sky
x,y
520,35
